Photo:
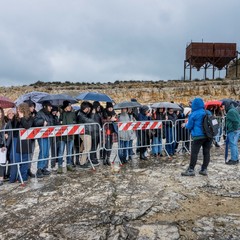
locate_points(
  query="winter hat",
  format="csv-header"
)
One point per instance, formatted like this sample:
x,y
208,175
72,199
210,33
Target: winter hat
x,y
54,108
66,103
46,104
144,108
109,105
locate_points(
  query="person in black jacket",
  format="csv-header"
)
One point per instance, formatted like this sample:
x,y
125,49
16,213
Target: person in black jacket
x,y
96,115
21,149
171,118
83,117
54,141
42,119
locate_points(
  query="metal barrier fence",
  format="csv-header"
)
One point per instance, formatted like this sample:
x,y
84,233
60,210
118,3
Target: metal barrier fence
x,y
79,140
87,140
156,136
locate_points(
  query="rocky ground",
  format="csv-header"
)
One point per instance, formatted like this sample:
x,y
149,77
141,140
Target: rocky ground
x,y
145,200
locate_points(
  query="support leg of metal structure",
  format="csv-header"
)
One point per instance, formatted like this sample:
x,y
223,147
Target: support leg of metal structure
x,y
184,76
190,77
237,65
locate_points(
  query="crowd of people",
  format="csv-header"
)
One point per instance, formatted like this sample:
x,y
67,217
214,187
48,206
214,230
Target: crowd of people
x,y
177,126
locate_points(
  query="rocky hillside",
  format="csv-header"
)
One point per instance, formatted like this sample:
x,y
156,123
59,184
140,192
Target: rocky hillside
x,y
143,91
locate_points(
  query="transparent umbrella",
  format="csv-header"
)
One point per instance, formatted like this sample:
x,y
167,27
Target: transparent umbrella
x,y
127,104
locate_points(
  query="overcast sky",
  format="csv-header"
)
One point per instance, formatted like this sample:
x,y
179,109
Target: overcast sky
x,y
107,40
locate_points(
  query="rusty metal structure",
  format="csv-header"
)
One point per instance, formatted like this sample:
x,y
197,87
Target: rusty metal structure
x,y
201,55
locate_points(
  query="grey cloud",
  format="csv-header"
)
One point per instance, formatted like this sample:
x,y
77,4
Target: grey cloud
x,y
107,40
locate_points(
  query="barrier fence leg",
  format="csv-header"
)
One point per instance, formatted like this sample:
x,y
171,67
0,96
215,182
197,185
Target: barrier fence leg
x,y
19,174
93,168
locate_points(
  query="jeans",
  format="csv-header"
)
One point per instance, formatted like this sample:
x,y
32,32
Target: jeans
x,y
95,143
233,144
170,144
69,147
44,146
18,158
108,147
205,143
123,152
157,141
131,148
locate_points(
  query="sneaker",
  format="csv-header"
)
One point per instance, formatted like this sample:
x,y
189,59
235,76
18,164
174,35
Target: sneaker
x,y
1,182
39,173
85,166
203,172
188,172
60,170
45,172
70,168
217,144
232,162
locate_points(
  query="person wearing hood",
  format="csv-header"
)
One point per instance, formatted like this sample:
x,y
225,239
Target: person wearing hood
x,y
195,125
43,118
233,132
143,135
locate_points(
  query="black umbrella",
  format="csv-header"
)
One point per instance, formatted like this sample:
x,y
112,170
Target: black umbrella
x,y
127,104
58,99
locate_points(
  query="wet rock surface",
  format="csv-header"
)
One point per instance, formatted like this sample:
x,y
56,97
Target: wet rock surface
x,y
145,200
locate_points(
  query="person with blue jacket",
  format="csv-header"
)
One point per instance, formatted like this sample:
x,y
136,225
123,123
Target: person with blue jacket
x,y
195,125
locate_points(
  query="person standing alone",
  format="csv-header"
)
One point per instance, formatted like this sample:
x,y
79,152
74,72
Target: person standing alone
x,y
195,125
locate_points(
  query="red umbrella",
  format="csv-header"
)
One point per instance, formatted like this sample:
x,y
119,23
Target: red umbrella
x,y
213,103
6,102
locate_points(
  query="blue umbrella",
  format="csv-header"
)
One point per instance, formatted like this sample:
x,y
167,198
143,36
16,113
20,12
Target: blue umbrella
x,y
58,99
94,96
32,96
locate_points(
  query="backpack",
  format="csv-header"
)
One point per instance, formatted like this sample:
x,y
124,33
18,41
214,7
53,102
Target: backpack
x,y
210,126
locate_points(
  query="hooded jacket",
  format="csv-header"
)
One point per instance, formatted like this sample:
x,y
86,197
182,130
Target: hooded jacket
x,y
195,120
232,118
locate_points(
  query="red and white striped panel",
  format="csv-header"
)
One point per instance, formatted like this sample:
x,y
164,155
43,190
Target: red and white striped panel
x,y
139,125
54,131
